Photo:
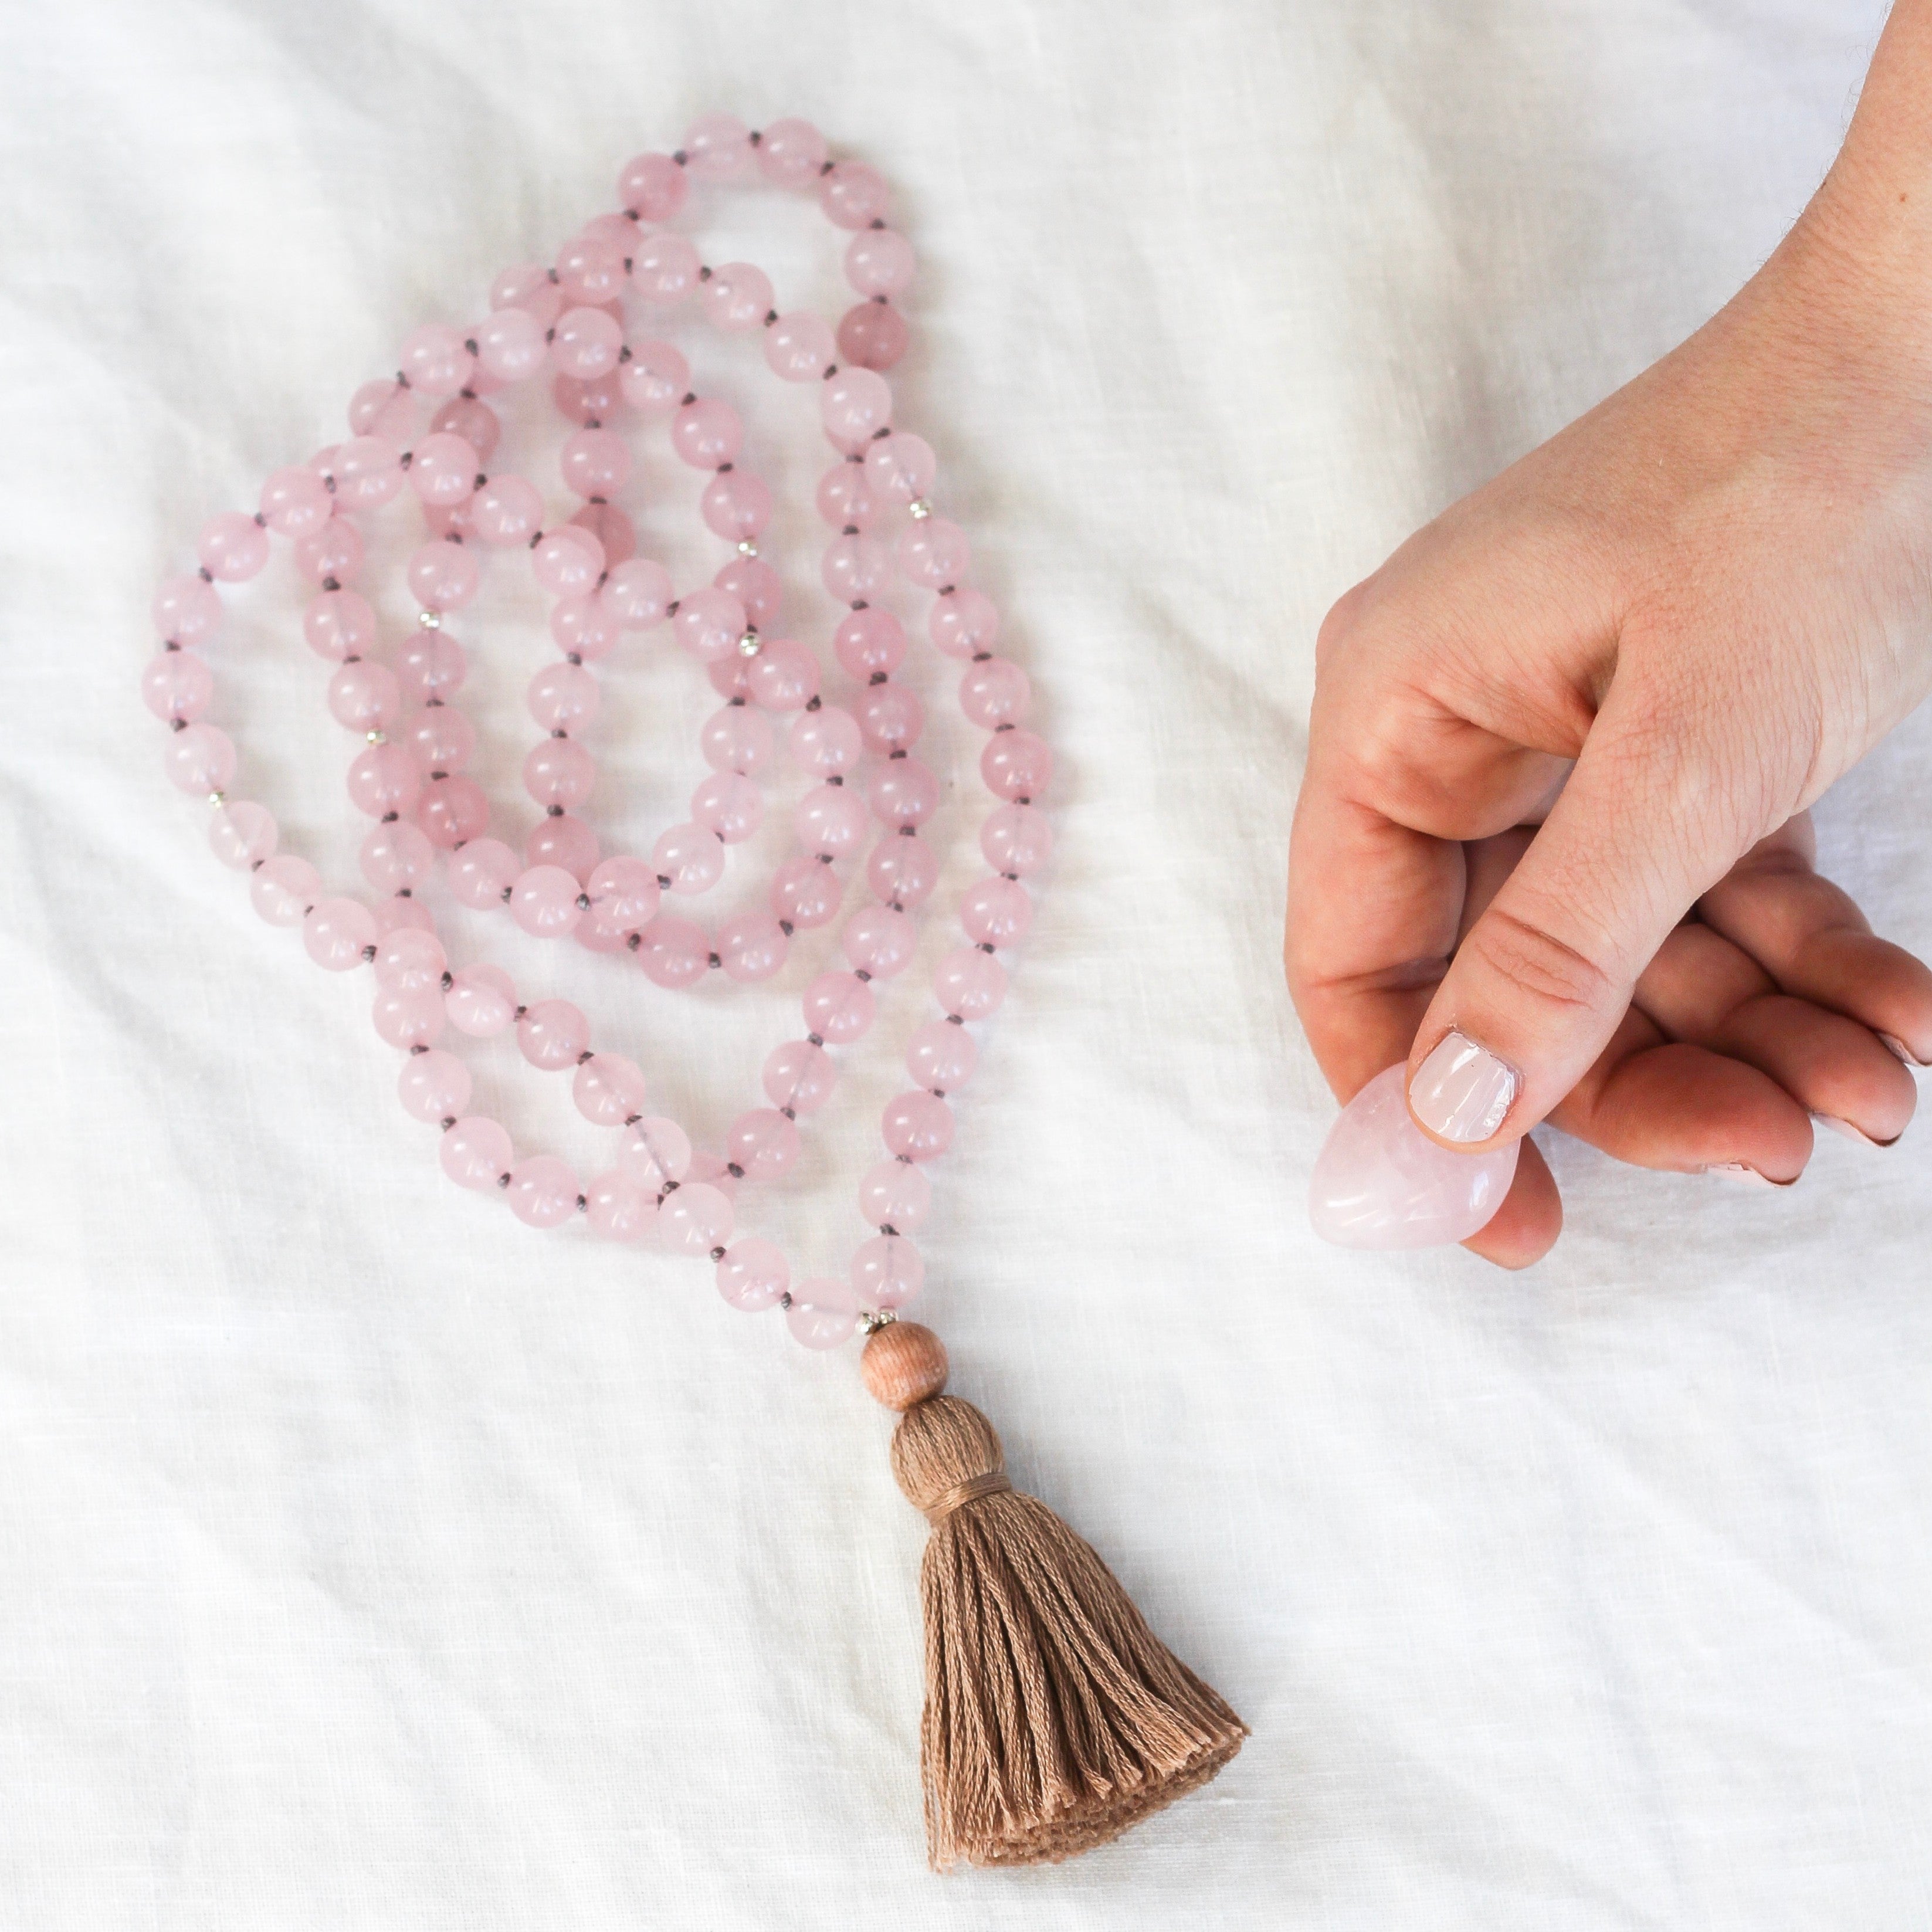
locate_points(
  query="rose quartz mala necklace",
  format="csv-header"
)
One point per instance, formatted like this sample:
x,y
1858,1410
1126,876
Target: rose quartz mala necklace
x,y
1054,1718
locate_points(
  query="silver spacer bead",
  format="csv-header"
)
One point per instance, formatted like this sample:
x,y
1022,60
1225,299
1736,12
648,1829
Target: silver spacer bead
x,y
217,799
431,620
376,737
747,645
871,1320
918,509
747,548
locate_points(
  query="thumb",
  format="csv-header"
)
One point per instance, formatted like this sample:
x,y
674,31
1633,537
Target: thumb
x,y
1544,977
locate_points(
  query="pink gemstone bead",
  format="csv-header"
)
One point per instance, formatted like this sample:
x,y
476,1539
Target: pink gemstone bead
x,y
783,676
476,1152
707,433
563,697
736,505
752,947
736,739
970,982
340,624
870,643
453,811
854,406
663,269
853,195
199,758
830,819
563,839
637,593
584,344
900,467
1016,839
596,463
337,932
434,1086
474,422
568,562
934,554
994,692
443,576
805,893
590,270
436,359
903,791
442,469
296,501
891,718
187,610
409,962
895,1194
396,858
398,911
757,585
609,1090
655,1151
717,148
368,472
335,551
653,187
730,807
690,856
620,1209
902,871
481,873
752,1275
560,771
736,298
708,624
363,696
407,1020
800,1076
872,335
553,1034
481,1001
242,835
879,262
655,378
674,952
838,1008
382,408
825,742
611,528
996,912
696,1220
233,546
821,1315
177,684
965,624
507,511
880,941
283,889
918,1126
383,779
543,901
887,1271
791,154
845,500
624,894
585,627
855,569
511,346
763,1142
1015,765
940,1056
800,347
543,1191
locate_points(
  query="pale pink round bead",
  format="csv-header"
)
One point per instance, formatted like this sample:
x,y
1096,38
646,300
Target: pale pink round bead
x,y
845,500
434,1086
568,562
696,1220
730,807
584,344
887,1271
543,901
655,1152
242,835
476,1152
969,982
400,910
717,148
825,742
1016,839
855,569
736,505
763,1142
611,528
799,1076
339,624
407,1020
507,511
806,893
562,838
757,586
799,346
934,554
363,696
783,676
653,187
295,501
822,1314
963,624
511,346
752,947
637,593
283,888
590,269
791,153
879,262
902,871
900,467
559,772
442,469
994,692
854,406
543,1191
853,195
996,912
596,463
880,941
655,378
707,433
337,932
177,684
481,873
396,858
411,962
563,697
736,298
436,359
736,739
891,718
752,1274
869,643
839,1007
664,268
917,1126
620,1209
443,576
199,758
895,1194
624,894
608,1089
903,792
453,811
940,1056
384,778
586,627
482,1000
830,819
335,551
674,952
233,546
553,1034
187,609
368,472
708,624
873,335
383,408
1016,765
474,422
690,856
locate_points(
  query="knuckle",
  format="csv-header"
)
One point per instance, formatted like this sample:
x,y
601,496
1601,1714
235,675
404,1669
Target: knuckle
x,y
1525,950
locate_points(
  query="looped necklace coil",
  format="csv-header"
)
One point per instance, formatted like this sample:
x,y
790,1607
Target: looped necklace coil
x,y
1054,1718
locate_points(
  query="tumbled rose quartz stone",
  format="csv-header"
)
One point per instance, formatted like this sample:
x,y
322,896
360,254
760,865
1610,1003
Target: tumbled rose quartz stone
x,y
854,406
410,962
919,1125
620,1209
187,609
879,262
791,153
736,739
608,1089
783,676
1015,838
434,1086
407,1020
242,835
799,1076
482,1000
1381,1182
873,335
887,1271
476,1152
763,1142
752,1274
830,818
543,1191
198,758
969,982
895,1194
940,1056
482,872
562,838
177,684
552,1034
694,1220
902,871
823,1313
673,951
806,892
653,187
656,1150
839,1007
283,888
452,810
507,510
800,347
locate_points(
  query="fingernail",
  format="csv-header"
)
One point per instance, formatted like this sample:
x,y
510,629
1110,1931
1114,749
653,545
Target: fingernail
x,y
1736,1170
1904,1052
1462,1091
1850,1132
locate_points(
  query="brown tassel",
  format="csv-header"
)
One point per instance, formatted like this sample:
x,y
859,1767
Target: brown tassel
x,y
1054,1718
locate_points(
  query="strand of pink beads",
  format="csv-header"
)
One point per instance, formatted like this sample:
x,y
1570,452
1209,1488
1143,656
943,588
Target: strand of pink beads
x,y
581,320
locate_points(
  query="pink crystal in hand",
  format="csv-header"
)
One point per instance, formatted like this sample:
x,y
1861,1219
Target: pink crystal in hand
x,y
1380,1182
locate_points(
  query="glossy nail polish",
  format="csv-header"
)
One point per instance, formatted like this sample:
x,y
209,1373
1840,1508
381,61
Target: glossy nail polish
x,y
1462,1091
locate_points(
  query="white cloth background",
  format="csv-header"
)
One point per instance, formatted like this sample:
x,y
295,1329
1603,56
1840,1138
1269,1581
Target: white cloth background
x,y
371,1562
